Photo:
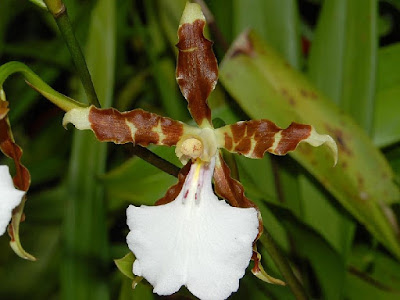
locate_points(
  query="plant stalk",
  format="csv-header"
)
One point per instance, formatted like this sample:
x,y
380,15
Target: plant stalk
x,y
59,12
283,266
156,160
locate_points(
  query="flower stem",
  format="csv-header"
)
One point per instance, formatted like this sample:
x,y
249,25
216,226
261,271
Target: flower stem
x,y
283,266
63,102
59,12
156,160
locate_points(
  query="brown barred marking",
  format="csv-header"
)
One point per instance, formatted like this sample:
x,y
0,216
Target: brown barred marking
x,y
228,142
174,190
113,126
261,133
254,138
3,109
244,146
172,130
291,137
197,69
109,125
238,131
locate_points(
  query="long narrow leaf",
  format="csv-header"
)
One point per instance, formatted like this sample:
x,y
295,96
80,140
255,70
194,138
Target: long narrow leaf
x,y
266,87
86,249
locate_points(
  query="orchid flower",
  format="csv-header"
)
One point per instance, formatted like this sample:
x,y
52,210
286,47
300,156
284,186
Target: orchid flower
x,y
190,237
12,190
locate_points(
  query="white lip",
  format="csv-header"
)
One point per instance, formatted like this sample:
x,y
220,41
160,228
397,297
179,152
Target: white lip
x,y
196,240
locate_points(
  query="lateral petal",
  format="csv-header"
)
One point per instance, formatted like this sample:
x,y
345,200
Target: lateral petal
x,y
254,138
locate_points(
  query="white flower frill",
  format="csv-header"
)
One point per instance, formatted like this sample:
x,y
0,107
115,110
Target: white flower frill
x,y
10,197
196,240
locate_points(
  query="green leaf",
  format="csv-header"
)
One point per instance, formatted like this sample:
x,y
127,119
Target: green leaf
x,y
266,87
141,291
125,264
326,62
317,207
376,265
328,266
85,227
361,288
372,274
335,42
343,56
138,182
386,120
275,20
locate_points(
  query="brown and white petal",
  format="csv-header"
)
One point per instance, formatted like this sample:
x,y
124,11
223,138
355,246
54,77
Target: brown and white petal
x,y
254,138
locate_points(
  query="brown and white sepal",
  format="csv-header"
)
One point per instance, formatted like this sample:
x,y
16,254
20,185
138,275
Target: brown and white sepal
x,y
136,126
197,67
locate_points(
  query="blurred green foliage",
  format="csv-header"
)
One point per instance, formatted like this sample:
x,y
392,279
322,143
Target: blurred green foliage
x,y
348,52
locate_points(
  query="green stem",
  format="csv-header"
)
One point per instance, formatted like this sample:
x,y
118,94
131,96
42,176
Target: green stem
x,y
62,101
156,160
283,266
59,12
66,104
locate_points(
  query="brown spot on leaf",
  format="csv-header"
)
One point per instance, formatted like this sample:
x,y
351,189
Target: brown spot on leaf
x,y
360,181
284,92
243,46
339,136
308,94
313,95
